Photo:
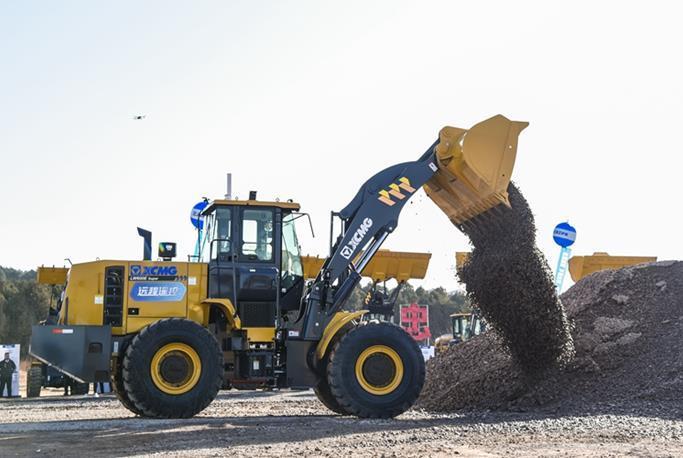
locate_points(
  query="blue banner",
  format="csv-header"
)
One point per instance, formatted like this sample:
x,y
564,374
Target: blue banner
x,y
158,291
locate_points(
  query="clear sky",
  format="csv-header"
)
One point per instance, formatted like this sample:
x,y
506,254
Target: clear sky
x,y
307,99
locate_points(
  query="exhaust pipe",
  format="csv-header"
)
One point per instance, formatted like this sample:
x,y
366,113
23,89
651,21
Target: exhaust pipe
x,y
147,244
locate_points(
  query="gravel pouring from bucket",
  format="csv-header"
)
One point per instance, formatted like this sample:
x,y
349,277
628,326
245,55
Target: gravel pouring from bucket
x,y
506,276
509,280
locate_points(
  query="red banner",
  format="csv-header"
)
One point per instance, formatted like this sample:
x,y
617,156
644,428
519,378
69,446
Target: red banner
x,y
415,321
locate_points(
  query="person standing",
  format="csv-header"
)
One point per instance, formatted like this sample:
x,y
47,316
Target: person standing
x,y
7,368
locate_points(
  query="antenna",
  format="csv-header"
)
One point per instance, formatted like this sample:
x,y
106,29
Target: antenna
x,y
228,196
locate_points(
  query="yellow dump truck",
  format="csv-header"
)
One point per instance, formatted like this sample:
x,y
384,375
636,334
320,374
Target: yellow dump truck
x,y
169,334
385,265
582,266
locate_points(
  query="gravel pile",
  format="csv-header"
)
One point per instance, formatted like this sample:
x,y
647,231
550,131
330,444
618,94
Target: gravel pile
x,y
510,281
627,326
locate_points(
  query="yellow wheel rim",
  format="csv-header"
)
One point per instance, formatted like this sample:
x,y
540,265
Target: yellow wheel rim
x,y
379,370
175,368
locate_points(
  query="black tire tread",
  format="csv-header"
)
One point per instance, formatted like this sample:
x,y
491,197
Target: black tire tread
x,y
324,394
134,363
343,394
116,380
34,381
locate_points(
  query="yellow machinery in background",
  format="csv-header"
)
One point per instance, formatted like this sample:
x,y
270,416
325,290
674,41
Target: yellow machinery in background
x,y
465,325
582,266
169,334
384,266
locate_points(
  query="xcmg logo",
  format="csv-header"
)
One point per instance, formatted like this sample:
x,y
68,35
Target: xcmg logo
x,y
154,271
357,238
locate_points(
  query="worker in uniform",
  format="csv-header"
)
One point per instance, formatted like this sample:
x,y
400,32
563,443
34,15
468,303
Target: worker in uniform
x,y
7,368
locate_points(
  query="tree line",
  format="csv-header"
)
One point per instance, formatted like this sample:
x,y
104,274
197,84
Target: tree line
x,y
23,302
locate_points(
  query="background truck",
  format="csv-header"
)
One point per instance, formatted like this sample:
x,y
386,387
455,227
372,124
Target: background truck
x,y
170,334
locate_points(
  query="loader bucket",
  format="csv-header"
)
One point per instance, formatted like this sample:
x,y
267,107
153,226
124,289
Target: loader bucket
x,y
582,266
474,167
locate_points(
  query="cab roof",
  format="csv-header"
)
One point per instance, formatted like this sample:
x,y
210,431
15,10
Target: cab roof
x,y
252,203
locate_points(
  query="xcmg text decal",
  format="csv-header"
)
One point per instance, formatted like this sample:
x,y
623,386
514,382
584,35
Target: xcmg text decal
x,y
357,238
138,272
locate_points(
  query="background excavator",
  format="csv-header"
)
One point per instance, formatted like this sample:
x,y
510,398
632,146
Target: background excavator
x,y
169,334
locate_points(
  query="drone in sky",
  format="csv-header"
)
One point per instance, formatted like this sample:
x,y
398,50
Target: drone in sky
x,y
139,117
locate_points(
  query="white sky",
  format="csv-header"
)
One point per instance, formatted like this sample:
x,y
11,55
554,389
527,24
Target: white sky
x,y
306,100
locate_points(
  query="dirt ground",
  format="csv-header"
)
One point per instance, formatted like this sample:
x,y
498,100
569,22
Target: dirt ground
x,y
294,423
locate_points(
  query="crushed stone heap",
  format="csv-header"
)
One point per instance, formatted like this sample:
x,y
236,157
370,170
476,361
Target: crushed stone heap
x,y
627,326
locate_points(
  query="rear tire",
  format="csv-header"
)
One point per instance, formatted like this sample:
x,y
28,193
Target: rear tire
x,y
119,390
34,381
172,369
376,371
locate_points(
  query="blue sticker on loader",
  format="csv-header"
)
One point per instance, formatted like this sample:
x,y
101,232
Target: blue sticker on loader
x,y
158,291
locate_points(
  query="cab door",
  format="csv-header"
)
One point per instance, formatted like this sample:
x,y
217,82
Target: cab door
x,y
257,271
222,255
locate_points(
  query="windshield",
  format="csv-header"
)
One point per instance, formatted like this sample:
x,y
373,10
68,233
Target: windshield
x,y
291,269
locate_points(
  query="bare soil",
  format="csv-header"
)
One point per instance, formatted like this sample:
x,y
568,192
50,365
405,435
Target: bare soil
x,y
294,423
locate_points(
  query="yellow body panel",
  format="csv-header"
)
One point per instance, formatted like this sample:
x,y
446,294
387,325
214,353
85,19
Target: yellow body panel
x,y
86,299
229,310
336,323
385,265
52,275
475,167
197,311
582,266
260,334
84,295
156,309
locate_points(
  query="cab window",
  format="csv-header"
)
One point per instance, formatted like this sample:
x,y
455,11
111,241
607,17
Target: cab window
x,y
291,270
257,235
221,234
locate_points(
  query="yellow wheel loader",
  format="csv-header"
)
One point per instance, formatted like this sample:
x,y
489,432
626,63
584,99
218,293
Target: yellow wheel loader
x,y
170,334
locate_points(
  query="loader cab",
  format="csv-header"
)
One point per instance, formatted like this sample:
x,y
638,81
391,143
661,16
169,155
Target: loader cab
x,y
466,326
253,258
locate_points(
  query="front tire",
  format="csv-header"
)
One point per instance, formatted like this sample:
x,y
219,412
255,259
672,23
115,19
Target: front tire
x,y
376,371
172,369
324,393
